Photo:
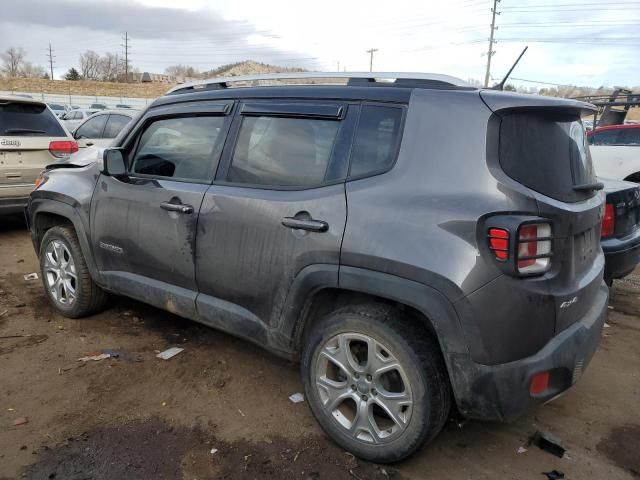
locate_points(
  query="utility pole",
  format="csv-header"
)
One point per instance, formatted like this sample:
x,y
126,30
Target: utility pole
x,y
116,68
490,52
51,57
371,51
126,57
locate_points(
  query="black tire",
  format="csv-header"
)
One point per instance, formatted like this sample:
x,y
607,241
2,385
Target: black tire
x,y
90,298
418,353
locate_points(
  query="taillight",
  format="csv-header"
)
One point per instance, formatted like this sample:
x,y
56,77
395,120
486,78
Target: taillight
x,y
499,243
62,148
534,248
608,221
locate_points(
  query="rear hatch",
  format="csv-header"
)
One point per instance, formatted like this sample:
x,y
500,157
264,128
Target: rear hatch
x,y
26,131
543,146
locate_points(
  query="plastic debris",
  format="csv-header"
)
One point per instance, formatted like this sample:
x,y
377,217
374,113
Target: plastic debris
x,y
214,451
20,421
3,312
31,276
297,398
94,356
522,450
547,442
554,475
169,353
606,325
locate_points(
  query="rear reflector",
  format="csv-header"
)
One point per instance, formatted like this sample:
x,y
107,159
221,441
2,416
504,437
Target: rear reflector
x,y
608,221
499,243
539,383
534,247
62,148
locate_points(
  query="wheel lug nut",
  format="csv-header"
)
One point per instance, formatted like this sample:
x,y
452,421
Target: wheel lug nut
x,y
369,377
364,397
356,375
353,387
373,391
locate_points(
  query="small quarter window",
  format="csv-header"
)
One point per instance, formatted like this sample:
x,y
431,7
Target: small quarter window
x,y
377,140
280,151
180,147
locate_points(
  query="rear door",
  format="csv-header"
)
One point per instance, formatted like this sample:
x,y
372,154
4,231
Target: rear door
x,y
26,129
144,223
277,206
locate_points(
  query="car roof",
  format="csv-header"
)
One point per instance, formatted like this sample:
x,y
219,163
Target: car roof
x,y
617,127
16,98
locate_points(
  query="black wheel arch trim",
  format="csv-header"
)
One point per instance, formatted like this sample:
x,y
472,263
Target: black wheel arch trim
x,y
39,206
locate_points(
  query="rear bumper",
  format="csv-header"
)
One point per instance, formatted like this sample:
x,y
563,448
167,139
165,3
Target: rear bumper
x,y
621,255
12,205
501,392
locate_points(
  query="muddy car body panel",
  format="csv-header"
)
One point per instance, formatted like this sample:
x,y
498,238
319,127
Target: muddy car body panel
x,y
412,226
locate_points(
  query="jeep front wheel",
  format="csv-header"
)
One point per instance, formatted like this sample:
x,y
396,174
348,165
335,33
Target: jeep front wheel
x,y
65,275
375,382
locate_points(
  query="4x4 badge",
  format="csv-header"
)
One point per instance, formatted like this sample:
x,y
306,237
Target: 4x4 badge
x,y
568,303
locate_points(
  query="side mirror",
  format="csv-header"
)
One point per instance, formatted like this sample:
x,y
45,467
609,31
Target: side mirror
x,y
113,163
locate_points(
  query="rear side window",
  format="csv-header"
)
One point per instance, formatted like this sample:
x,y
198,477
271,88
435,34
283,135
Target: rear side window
x,y
280,151
377,140
28,119
547,153
115,124
180,147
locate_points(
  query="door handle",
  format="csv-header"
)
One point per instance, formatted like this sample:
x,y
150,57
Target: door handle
x,y
176,207
305,224
89,144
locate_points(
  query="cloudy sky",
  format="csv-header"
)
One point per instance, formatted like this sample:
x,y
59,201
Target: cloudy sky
x,y
583,42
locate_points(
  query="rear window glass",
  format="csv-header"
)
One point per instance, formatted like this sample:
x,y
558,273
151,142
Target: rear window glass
x,y
547,153
28,119
629,136
377,140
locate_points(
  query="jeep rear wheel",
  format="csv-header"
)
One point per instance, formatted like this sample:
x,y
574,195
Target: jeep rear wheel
x,y
375,382
65,275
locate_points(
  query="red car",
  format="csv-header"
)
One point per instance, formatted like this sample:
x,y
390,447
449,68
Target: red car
x,y
615,135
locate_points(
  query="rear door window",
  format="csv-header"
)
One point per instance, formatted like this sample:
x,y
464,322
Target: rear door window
x,y
28,119
115,124
377,140
278,151
92,128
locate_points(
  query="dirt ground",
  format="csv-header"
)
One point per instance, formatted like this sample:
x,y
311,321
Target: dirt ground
x,y
220,409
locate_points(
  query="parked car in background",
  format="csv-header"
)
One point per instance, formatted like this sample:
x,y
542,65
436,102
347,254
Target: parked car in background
x,y
58,108
122,105
615,150
31,137
101,128
621,228
466,272
73,118
98,106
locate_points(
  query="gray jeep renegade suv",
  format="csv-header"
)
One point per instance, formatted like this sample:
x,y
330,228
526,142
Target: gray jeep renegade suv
x,y
417,244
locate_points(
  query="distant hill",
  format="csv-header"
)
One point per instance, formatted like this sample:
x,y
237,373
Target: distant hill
x,y
247,67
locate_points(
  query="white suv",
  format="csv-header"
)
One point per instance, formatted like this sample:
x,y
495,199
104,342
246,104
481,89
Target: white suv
x,y
31,137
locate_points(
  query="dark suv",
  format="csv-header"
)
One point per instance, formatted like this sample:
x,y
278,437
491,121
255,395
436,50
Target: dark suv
x,y
416,244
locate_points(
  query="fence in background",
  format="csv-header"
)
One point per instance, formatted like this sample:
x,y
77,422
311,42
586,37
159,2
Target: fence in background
x,y
84,101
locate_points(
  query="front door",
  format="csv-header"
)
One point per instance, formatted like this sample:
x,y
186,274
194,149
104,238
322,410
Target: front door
x,y
145,222
277,206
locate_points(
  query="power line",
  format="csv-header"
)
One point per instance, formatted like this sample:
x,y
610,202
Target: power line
x,y
371,51
51,57
126,56
491,51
